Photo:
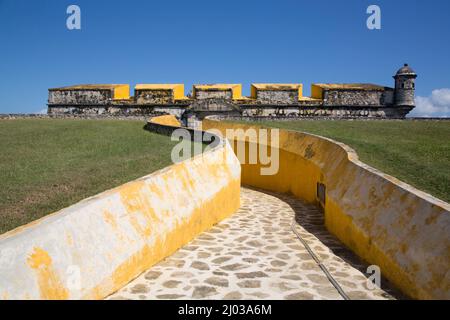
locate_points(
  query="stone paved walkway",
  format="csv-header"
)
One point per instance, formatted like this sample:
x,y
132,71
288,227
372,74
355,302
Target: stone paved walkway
x,y
254,254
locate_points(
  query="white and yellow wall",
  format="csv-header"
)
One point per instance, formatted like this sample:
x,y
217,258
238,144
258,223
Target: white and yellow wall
x,y
95,247
386,222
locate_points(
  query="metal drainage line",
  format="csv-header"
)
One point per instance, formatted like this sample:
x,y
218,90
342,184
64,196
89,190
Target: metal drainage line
x,y
319,263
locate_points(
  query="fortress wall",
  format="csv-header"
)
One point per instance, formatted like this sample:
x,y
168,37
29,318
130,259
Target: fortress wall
x,y
115,111
213,94
386,222
93,248
89,94
217,91
158,93
352,98
276,94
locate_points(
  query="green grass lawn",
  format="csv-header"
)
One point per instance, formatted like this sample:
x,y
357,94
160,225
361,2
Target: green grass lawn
x,y
416,152
49,164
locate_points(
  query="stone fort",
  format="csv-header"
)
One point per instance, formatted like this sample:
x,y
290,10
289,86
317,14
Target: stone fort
x,y
267,100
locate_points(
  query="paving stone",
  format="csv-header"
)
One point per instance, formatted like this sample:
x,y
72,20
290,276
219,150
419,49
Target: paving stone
x,y
139,288
249,284
170,296
234,267
221,260
152,275
278,263
171,284
203,292
181,274
202,255
303,295
292,277
234,295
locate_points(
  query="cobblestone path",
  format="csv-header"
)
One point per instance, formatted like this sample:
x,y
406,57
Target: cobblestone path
x,y
254,254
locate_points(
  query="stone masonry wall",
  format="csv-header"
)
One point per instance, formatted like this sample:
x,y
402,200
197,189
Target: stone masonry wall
x,y
213,94
320,111
353,98
404,94
79,97
115,110
277,97
154,96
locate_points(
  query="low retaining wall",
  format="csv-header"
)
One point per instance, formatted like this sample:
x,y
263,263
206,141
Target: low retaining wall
x,y
388,223
95,247
167,120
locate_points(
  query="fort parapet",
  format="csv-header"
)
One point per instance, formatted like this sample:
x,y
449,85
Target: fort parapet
x,y
271,100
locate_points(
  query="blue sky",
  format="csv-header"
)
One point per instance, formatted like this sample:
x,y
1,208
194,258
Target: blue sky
x,y
229,41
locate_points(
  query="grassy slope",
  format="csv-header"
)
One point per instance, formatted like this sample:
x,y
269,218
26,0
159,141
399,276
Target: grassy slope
x,y
417,152
46,165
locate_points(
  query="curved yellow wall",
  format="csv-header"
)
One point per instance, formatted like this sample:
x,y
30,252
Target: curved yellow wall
x,y
386,222
109,239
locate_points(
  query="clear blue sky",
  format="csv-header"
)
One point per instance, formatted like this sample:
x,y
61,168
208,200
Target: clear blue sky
x,y
206,41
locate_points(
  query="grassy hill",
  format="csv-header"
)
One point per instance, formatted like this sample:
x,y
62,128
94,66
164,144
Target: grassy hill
x,y
417,152
49,164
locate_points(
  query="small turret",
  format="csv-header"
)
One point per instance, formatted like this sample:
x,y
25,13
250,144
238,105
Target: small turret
x,y
405,87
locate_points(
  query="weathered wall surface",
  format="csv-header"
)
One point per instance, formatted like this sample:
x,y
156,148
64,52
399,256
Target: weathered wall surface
x,y
107,240
386,222
154,96
277,97
167,120
271,100
112,110
213,94
352,98
79,96
331,112
405,92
